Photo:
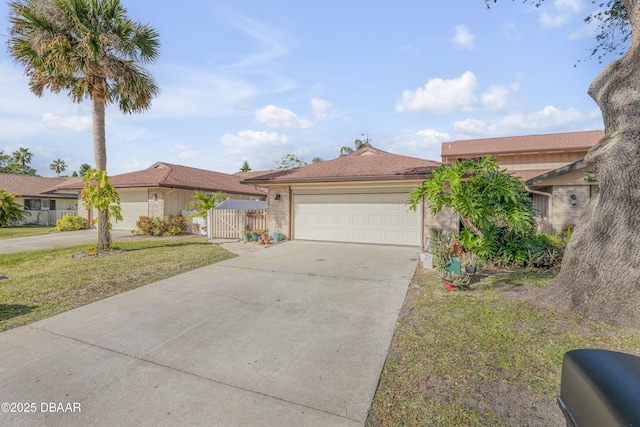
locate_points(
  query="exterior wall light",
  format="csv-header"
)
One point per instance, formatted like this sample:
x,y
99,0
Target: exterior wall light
x,y
154,196
277,196
573,199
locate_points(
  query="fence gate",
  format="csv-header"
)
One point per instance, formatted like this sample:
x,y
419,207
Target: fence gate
x,y
229,223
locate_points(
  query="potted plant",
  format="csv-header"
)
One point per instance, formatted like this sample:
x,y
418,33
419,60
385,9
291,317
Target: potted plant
x,y
246,234
255,234
276,236
470,261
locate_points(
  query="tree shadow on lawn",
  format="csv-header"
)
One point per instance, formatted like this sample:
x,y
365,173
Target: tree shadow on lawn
x,y
508,280
8,311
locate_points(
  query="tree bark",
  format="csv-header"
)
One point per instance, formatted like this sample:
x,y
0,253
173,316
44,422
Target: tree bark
x,y
600,274
100,157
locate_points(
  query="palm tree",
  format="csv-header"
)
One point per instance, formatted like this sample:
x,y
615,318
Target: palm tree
x,y
358,143
22,157
11,213
84,169
58,166
90,50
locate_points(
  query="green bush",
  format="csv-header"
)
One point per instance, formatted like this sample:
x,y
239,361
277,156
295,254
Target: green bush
x,y
71,223
155,226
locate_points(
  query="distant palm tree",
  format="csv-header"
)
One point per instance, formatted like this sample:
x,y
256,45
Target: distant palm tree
x,y
344,151
84,169
22,157
58,166
91,50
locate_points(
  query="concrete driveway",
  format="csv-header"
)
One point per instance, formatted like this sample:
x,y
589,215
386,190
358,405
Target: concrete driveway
x,y
293,335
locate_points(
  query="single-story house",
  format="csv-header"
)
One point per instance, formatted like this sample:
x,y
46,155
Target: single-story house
x,y
165,189
561,195
552,167
361,198
34,193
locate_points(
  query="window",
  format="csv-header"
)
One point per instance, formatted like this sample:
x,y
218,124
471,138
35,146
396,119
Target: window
x,y
39,204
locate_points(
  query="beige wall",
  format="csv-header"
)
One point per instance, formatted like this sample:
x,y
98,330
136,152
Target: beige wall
x,y
564,213
278,210
535,161
446,220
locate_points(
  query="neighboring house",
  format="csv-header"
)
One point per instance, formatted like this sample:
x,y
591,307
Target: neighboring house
x,y
357,198
165,189
34,194
551,165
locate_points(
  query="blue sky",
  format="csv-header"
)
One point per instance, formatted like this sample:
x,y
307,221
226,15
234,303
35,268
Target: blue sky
x,y
254,80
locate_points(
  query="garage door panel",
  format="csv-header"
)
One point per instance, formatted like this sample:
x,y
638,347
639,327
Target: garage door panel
x,y
362,218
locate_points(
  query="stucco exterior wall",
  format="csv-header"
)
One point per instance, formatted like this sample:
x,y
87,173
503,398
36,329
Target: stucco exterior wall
x,y
278,218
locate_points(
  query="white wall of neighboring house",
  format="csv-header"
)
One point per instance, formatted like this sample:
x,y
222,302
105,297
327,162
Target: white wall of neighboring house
x,y
44,215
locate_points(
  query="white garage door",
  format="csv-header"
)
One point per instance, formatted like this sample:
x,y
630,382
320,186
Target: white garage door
x,y
359,218
133,204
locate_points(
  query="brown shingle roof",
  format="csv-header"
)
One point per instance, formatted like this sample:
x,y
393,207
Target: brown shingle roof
x,y
169,175
366,164
32,186
571,141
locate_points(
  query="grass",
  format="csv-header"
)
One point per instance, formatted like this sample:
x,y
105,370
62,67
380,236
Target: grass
x,y
24,230
488,356
43,283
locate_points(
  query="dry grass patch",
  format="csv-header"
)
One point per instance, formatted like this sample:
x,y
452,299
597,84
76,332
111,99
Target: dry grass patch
x,y
488,356
47,282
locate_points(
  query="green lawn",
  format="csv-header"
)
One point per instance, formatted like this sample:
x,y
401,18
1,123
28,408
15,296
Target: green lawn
x,y
47,282
25,230
488,356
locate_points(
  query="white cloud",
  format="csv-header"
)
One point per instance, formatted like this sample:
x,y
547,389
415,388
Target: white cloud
x,y
454,95
463,37
281,118
425,144
71,123
185,152
320,108
549,20
251,140
549,119
564,10
574,6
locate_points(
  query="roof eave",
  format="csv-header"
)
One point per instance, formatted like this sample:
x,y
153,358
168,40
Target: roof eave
x,y
359,178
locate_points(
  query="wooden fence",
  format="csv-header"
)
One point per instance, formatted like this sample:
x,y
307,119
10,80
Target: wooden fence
x,y
229,223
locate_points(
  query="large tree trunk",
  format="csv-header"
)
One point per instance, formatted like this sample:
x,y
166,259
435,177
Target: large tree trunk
x,y
100,157
600,275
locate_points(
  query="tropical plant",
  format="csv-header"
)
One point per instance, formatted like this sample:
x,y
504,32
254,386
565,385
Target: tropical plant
x,y
11,213
90,50
84,169
203,203
71,223
494,207
58,166
22,157
99,193
358,144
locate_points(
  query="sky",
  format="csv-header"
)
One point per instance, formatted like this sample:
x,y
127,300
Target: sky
x,y
253,80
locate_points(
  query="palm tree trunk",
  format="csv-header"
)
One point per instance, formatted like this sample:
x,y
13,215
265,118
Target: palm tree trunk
x,y
100,157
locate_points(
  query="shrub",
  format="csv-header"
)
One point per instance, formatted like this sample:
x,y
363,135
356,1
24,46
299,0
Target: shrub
x,y
71,223
154,226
